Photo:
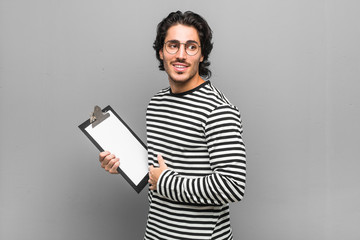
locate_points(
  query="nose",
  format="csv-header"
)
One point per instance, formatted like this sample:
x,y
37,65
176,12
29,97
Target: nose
x,y
182,53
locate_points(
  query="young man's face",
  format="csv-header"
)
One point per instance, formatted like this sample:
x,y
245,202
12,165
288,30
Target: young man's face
x,y
181,67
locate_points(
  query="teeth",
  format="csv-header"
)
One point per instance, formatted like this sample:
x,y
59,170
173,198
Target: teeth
x,y
179,66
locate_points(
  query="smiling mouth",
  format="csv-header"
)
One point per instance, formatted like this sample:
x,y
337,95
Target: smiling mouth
x,y
180,67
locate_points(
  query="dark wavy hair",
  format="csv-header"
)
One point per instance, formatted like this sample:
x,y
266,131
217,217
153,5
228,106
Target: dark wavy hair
x,y
188,19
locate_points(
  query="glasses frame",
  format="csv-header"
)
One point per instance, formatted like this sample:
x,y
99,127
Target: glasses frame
x,y
176,41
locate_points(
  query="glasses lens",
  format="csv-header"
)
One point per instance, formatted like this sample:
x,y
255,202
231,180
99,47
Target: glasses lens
x,y
191,48
172,47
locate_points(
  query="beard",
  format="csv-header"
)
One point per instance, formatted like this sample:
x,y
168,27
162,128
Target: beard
x,y
181,77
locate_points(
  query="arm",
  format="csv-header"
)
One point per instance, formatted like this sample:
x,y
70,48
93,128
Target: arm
x,y
223,132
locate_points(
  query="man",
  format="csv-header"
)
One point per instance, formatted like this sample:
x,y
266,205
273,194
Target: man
x,y
196,153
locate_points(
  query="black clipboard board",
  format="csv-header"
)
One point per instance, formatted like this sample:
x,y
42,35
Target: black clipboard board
x,y
107,131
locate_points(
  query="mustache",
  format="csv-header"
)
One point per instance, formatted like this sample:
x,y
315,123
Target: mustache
x,y
180,60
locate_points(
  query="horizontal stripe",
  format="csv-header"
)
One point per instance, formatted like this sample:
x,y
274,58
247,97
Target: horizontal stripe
x,y
199,135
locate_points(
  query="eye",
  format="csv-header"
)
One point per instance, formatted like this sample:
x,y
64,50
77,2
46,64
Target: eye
x,y
191,46
172,45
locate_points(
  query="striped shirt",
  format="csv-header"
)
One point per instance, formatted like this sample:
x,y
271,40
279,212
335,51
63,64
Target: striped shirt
x,y
199,135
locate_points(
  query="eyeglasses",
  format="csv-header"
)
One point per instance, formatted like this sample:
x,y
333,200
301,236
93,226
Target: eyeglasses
x,y
173,46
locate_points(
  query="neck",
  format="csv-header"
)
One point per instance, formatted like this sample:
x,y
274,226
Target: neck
x,y
184,86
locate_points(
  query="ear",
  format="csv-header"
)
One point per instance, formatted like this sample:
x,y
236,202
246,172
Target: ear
x,y
202,58
161,54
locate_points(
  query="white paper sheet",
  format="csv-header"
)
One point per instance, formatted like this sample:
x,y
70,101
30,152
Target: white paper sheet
x,y
113,136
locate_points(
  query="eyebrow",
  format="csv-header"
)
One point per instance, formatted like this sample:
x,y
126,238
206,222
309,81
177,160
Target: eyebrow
x,y
188,41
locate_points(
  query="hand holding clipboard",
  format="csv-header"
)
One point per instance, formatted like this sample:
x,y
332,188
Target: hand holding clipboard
x,y
109,162
107,131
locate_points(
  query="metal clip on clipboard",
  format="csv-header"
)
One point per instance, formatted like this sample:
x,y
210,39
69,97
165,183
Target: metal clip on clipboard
x,y
98,116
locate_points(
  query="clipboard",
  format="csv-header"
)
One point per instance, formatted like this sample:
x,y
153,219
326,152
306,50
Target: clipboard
x,y
107,131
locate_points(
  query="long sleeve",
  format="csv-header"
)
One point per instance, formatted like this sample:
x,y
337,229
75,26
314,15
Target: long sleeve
x,y
223,136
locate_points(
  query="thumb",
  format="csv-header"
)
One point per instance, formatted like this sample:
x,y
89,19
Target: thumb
x,y
161,161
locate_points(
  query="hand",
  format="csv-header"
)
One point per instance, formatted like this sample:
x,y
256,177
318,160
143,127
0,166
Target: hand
x,y
154,173
109,162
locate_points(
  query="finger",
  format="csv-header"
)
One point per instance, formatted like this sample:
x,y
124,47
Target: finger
x,y
107,159
161,161
151,173
114,168
152,187
102,155
110,164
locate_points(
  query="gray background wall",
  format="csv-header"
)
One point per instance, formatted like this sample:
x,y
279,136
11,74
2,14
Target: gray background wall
x,y
292,67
